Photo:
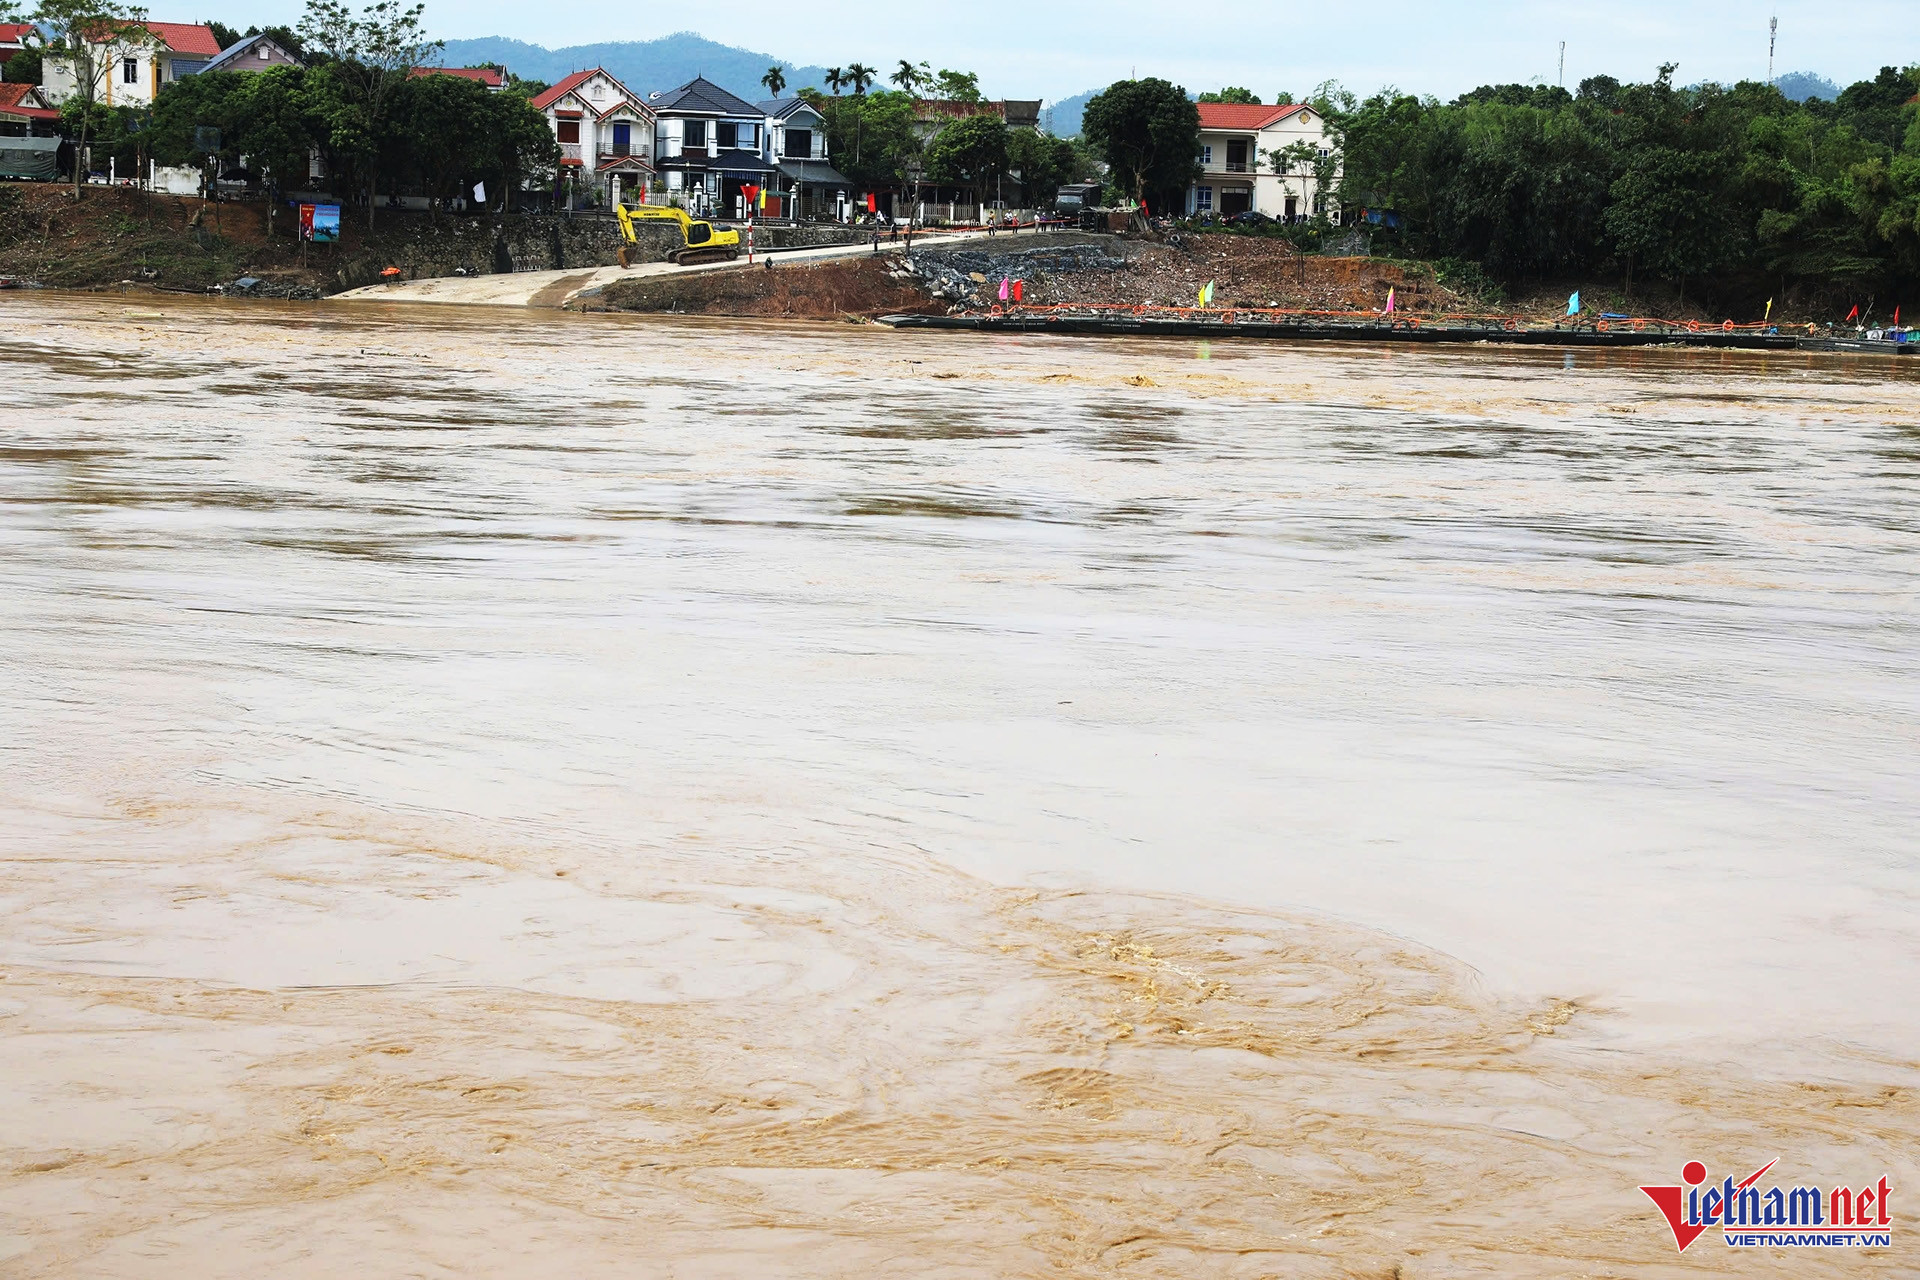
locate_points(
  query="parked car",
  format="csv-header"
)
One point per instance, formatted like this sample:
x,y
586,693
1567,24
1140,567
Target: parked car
x,y
1248,218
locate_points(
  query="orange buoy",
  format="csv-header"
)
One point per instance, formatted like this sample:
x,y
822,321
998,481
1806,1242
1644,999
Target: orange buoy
x,y
1726,326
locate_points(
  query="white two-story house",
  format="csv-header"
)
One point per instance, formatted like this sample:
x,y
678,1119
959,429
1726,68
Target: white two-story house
x,y
605,132
1237,173
796,144
131,74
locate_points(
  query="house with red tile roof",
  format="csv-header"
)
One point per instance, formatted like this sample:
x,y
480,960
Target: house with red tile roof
x,y
132,73
23,112
605,131
1237,168
12,41
494,78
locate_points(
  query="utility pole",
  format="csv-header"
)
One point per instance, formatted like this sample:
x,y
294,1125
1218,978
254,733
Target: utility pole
x,y
1773,34
1563,64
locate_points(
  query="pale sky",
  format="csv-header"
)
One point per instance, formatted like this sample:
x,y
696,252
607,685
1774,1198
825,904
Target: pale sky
x,y
1023,49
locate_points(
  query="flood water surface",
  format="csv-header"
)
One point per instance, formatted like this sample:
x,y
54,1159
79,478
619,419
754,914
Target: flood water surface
x,y
496,793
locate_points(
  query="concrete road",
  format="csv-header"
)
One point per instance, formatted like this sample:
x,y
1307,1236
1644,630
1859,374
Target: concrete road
x,y
556,288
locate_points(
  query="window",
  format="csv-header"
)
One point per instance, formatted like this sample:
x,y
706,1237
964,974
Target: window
x,y
799,144
727,134
1206,155
129,71
1203,198
265,53
568,131
696,134
1237,157
1325,152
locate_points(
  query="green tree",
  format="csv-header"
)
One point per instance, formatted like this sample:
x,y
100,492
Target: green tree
x,y
1149,133
870,135
23,67
775,80
1233,94
213,100
223,35
911,78
860,75
957,86
971,151
366,59
834,79
1044,164
1666,214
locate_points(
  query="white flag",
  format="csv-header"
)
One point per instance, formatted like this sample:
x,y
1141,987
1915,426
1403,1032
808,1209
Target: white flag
x,y
479,193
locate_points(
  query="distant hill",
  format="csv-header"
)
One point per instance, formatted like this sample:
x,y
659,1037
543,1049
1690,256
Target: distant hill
x,y
1062,118
645,66
1801,85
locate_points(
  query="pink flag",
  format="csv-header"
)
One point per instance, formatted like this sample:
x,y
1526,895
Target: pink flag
x,y
1003,288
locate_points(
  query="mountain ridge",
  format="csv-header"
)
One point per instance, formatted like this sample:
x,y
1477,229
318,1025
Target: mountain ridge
x,y
654,66
645,66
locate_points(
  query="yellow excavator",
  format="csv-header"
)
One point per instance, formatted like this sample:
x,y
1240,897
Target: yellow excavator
x,y
704,241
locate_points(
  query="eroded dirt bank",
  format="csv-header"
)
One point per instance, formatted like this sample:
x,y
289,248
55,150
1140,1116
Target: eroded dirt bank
x,y
853,288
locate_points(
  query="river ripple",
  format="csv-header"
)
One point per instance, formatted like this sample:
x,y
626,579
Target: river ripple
x,y
1014,804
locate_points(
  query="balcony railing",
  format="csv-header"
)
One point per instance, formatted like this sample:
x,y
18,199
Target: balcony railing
x,y
1236,166
570,151
620,149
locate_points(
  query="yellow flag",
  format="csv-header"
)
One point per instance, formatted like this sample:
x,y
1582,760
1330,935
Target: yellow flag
x,y
1769,314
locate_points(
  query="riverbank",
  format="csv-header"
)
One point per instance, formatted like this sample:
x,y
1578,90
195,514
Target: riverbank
x,y
118,236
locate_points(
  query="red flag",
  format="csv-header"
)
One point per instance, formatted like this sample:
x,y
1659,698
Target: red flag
x,y
1856,311
1016,290
1896,317
873,203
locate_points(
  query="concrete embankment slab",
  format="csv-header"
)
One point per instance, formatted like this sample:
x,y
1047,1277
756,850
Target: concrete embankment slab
x,y
557,288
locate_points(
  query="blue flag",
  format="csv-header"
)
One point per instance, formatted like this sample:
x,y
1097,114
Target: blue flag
x,y
1573,304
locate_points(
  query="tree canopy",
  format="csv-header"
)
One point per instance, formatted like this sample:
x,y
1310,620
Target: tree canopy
x,y
1739,185
971,150
1149,132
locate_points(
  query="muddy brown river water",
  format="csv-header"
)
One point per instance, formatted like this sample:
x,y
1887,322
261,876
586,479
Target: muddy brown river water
x,y
487,793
